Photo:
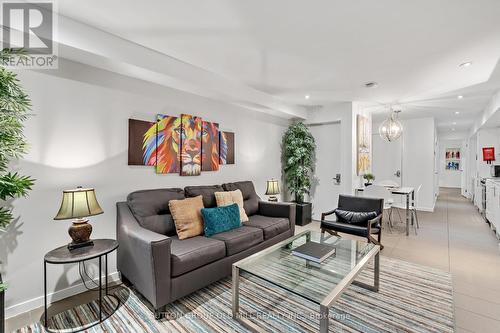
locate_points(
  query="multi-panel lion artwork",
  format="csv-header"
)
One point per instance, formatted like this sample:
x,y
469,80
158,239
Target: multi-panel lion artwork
x,y
185,145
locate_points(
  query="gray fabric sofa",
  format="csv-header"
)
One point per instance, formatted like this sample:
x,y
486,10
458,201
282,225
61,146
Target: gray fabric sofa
x,y
163,268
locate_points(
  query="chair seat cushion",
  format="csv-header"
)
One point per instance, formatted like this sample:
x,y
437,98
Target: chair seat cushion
x,y
240,239
352,229
189,254
271,226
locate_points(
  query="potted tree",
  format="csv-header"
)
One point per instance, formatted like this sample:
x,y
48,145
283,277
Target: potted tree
x,y
14,110
298,166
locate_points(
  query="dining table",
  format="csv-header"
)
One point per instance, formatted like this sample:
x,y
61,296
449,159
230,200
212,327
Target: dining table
x,y
409,193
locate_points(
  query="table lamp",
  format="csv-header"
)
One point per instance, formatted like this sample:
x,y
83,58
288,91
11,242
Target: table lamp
x,y
272,189
77,204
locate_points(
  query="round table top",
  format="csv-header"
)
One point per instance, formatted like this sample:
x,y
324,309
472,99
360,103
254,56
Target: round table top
x,y
62,255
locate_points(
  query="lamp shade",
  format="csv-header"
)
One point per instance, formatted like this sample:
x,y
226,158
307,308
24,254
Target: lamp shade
x,y
78,203
273,187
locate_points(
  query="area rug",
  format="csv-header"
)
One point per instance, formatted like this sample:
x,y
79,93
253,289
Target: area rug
x,y
412,298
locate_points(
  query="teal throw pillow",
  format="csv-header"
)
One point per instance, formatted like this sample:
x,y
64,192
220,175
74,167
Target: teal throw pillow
x,y
220,219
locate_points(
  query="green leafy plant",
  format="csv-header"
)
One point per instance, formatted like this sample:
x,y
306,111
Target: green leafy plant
x,y
298,159
15,106
3,287
369,177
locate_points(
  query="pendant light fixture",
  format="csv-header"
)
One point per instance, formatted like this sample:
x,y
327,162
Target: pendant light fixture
x,y
391,129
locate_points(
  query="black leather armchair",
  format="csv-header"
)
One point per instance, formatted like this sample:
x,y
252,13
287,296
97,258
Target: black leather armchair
x,y
356,204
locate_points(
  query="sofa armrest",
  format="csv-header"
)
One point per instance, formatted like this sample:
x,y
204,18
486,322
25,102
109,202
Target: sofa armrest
x,y
143,257
279,209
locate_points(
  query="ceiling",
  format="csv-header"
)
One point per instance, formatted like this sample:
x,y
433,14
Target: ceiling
x,y
326,49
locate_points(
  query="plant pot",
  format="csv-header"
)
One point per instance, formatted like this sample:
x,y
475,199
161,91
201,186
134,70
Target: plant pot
x,y
368,184
2,309
303,213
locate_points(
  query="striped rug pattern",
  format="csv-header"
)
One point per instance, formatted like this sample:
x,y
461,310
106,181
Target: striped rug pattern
x,y
412,298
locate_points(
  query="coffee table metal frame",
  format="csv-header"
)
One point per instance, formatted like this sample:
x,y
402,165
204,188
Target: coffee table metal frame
x,y
327,302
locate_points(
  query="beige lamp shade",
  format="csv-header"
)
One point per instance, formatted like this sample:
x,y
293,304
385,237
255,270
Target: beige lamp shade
x,y
78,203
273,187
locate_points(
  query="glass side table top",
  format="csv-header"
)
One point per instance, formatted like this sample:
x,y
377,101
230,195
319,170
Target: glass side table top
x,y
310,280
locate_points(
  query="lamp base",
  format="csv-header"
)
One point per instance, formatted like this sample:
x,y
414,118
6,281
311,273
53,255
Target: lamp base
x,y
80,232
72,246
273,198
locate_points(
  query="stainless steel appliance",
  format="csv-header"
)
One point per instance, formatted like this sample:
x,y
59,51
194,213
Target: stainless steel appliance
x,y
495,171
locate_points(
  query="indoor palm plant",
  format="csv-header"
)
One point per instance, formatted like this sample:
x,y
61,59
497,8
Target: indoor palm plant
x,y
298,166
14,110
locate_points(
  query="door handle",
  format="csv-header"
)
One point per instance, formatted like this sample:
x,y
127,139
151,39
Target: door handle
x,y
398,173
337,179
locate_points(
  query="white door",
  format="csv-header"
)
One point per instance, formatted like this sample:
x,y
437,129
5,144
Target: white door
x,y
325,189
386,158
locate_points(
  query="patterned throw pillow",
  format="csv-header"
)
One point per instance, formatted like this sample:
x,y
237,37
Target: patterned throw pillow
x,y
187,216
228,198
220,219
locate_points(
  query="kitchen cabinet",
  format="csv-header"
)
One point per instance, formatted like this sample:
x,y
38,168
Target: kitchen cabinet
x,y
493,204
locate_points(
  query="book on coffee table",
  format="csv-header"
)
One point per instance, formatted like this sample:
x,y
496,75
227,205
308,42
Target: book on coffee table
x,y
316,252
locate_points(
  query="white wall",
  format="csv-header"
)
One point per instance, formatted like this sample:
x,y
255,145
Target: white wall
x,y
78,136
450,178
346,113
418,159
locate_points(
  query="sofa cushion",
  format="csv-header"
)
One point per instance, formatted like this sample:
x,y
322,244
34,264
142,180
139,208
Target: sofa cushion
x,y
250,197
220,219
240,239
150,208
187,216
206,191
229,197
191,253
271,226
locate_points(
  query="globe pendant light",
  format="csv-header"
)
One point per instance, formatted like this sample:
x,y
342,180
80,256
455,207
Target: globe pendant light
x,y
391,129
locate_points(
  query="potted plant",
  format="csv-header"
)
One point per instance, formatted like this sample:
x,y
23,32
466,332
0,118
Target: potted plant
x,y
14,110
369,178
298,166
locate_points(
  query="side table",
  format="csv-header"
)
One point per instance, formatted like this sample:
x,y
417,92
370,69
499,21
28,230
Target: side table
x,y
62,255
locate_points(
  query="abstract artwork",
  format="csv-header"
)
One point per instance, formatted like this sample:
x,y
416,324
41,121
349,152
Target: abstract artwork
x,y
137,151
452,156
185,145
190,155
226,147
364,135
210,146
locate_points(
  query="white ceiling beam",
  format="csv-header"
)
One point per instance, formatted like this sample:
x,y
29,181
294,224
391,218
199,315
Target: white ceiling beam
x,y
492,107
88,45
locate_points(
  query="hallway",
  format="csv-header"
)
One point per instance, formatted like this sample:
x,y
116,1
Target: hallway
x,y
455,238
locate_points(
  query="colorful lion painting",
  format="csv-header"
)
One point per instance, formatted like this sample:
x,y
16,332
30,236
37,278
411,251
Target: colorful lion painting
x,y
161,144
190,145
210,146
226,155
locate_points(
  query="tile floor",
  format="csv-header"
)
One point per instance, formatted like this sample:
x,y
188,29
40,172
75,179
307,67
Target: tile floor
x,y
453,238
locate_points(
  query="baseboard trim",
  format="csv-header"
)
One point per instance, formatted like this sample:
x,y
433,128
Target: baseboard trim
x,y
55,296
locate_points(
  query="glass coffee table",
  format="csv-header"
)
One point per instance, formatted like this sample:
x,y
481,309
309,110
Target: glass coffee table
x,y
321,283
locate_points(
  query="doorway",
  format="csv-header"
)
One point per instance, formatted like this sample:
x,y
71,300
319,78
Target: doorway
x,y
326,186
387,160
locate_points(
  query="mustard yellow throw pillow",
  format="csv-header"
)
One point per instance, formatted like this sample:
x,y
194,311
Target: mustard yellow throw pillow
x,y
232,197
186,214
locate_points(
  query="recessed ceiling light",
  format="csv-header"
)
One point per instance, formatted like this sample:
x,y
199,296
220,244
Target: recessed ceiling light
x,y
460,96
307,96
465,64
371,84
454,123
457,112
